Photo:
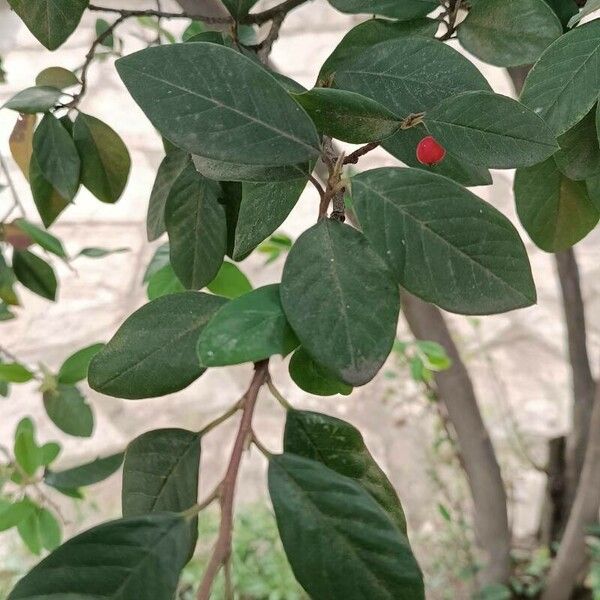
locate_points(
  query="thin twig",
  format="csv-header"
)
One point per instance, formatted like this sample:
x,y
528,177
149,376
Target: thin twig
x,y
317,185
355,156
129,13
278,395
222,549
264,48
13,189
221,419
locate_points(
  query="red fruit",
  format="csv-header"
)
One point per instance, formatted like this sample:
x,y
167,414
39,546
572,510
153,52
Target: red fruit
x,y
430,152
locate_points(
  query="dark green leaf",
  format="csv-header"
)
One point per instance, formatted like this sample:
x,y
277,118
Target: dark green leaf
x,y
579,154
15,373
164,282
348,116
160,259
230,282
443,243
264,207
555,211
56,77
154,352
247,329
590,7
561,88
101,252
314,379
50,21
105,161
341,301
75,368
170,169
340,446
340,543
102,25
369,33
508,33
490,130
57,156
41,237
69,411
239,8
378,74
48,201
34,100
139,557
230,171
404,10
564,10
196,105
84,475
35,274
197,228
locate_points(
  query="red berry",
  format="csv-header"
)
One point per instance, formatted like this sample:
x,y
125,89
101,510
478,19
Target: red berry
x,y
429,151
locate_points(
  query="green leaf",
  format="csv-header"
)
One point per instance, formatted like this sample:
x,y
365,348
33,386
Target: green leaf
x,y
555,211
378,74
154,352
48,453
197,228
340,543
139,557
48,201
50,21
105,160
340,446
341,300
5,315
490,130
164,282
50,533
230,171
369,33
7,281
264,207
589,8
34,100
56,77
41,237
403,11
561,88
249,328
102,25
169,170
314,379
159,260
94,252
25,449
12,514
239,8
75,368
564,10
348,116
86,474
35,274
579,154
57,156
509,33
29,530
230,282
195,104
69,411
15,373
444,244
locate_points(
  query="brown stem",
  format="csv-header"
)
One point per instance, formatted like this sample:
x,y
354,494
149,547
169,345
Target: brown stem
x,y
355,156
222,549
455,390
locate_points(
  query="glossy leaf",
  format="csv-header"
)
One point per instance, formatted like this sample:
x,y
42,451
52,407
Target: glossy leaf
x,y
56,156
369,33
378,74
249,328
86,474
403,11
69,411
444,244
314,379
341,300
50,21
56,77
508,33
230,282
48,201
340,543
75,368
139,557
41,237
348,116
264,207
105,161
197,228
35,274
33,100
170,169
154,352
189,92
340,446
562,86
490,130
555,211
